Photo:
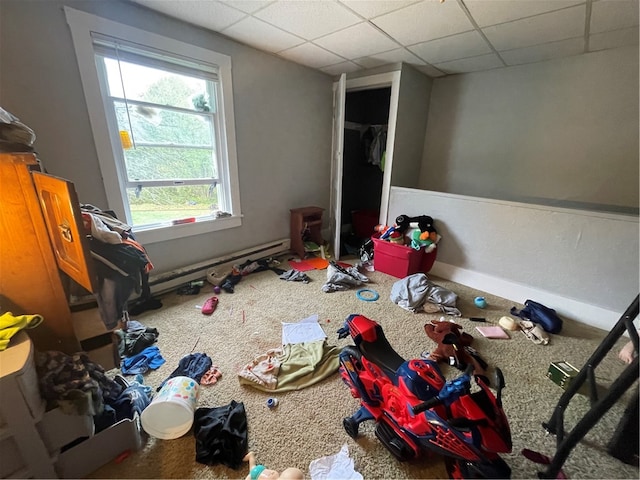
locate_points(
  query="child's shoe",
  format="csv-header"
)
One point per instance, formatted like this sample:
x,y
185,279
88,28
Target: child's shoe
x,y
210,305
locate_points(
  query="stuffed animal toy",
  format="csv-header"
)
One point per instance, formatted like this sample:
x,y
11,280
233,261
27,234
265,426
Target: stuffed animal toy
x,y
397,237
259,472
403,222
417,241
454,346
425,224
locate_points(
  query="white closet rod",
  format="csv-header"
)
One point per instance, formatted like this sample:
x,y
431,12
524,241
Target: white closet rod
x,y
360,126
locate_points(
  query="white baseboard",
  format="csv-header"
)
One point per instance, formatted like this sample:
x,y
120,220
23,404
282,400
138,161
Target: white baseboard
x,y
167,281
567,308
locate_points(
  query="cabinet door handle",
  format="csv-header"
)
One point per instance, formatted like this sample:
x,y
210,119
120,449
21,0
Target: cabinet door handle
x,y
65,232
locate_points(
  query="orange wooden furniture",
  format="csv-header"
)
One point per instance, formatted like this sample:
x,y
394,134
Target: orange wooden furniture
x,y
42,247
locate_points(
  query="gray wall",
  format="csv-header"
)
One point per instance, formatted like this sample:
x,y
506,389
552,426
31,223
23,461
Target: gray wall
x,y
559,131
562,132
584,264
411,125
283,115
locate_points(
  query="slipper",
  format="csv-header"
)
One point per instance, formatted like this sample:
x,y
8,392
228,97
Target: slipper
x,y
211,376
534,332
210,305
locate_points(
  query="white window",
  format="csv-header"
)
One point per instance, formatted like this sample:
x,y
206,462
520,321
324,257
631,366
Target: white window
x,y
162,117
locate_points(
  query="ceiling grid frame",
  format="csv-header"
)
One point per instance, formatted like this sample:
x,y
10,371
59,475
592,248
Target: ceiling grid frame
x,y
336,36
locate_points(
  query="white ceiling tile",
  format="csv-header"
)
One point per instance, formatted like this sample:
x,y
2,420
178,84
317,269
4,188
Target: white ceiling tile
x,y
371,62
392,56
248,6
436,36
311,55
616,38
548,27
424,21
343,67
547,51
473,64
454,47
431,71
613,14
261,35
357,41
374,8
308,19
208,14
491,12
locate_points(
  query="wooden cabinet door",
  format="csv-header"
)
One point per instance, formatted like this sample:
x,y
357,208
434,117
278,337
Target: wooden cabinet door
x,y
61,210
29,276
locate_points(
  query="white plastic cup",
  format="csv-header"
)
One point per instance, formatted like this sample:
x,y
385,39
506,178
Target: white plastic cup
x,y
170,413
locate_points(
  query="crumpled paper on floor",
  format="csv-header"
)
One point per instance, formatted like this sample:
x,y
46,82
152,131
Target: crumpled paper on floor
x,y
334,467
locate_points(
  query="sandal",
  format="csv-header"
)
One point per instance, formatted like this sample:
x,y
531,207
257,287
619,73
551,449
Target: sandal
x,y
210,305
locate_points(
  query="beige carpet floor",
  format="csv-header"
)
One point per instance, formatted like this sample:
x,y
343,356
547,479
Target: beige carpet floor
x,y
307,424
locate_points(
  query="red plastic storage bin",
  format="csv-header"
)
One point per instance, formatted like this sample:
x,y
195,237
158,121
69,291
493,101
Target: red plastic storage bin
x,y
400,260
428,259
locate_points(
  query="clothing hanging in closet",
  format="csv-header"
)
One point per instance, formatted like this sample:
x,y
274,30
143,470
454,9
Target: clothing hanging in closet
x,y
374,140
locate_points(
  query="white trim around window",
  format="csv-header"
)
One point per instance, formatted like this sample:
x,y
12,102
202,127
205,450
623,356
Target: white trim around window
x,y
82,25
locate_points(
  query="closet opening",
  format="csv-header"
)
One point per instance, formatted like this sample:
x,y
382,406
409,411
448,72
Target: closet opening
x,y
365,139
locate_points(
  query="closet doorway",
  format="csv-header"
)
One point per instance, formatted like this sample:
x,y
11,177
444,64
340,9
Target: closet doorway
x,y
364,130
364,156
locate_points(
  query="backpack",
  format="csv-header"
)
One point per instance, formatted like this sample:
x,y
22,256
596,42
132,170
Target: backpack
x,y
538,313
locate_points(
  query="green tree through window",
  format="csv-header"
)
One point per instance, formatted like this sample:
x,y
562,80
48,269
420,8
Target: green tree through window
x,y
173,144
162,117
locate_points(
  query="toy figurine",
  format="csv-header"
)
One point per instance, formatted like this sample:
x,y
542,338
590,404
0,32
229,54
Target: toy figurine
x,y
260,472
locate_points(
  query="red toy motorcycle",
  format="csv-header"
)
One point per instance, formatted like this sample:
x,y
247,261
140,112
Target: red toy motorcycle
x,y
417,412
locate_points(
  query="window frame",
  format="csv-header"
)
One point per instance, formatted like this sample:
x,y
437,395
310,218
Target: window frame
x,y
82,25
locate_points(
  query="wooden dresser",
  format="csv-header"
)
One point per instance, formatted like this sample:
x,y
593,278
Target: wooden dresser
x,y
42,241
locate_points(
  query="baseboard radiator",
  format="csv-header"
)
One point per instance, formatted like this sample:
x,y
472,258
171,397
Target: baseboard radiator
x,y
170,280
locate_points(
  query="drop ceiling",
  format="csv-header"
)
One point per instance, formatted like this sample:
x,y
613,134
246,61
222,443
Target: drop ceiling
x,y
439,37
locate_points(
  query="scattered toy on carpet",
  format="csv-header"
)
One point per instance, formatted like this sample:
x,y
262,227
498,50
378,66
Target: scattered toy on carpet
x,y
454,346
260,472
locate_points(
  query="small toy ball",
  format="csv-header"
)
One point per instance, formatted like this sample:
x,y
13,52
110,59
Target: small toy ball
x,y
480,302
216,289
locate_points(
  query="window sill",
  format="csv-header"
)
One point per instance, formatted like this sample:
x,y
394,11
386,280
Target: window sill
x,y
171,232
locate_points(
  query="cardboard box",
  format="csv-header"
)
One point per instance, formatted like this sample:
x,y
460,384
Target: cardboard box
x,y
397,260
